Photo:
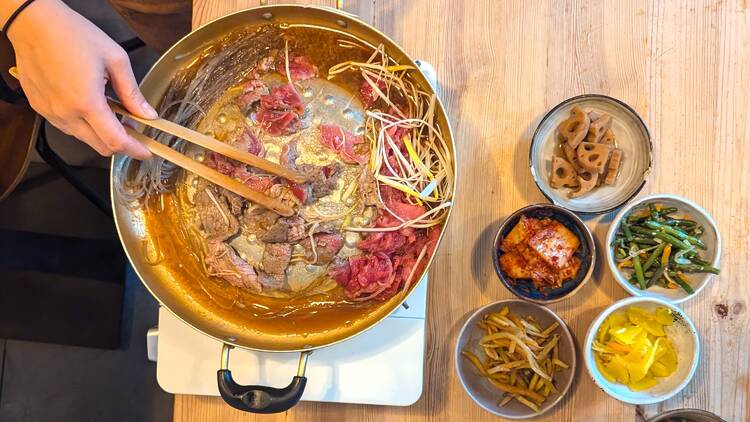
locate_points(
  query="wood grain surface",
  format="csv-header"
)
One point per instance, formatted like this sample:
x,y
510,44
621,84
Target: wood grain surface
x,y
683,65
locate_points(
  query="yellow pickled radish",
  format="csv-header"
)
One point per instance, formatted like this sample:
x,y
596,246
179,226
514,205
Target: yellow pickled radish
x,y
601,335
619,370
664,316
658,369
668,357
625,334
603,369
632,347
617,319
638,368
643,384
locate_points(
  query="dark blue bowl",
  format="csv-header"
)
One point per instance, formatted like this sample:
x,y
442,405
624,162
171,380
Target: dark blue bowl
x,y
525,289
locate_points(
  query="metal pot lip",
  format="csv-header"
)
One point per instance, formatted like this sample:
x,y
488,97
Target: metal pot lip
x,y
117,159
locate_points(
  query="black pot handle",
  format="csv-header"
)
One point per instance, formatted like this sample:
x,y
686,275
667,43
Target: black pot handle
x,y
260,398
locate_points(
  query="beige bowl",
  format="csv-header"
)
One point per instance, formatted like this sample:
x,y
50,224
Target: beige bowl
x,y
481,390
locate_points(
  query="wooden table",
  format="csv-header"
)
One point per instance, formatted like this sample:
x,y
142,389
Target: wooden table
x,y
683,65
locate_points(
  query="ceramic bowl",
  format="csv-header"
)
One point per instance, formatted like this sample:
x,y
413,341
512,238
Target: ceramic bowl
x,y
482,391
711,237
525,289
684,338
632,137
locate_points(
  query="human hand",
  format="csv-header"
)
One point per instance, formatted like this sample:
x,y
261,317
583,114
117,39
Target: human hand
x,y
64,63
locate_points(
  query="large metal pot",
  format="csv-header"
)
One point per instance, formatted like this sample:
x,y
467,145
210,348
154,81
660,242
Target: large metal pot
x,y
170,287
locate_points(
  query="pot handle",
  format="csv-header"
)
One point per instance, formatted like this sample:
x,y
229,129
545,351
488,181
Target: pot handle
x,y
260,398
339,4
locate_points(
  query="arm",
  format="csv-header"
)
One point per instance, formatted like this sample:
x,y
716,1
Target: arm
x,y
64,63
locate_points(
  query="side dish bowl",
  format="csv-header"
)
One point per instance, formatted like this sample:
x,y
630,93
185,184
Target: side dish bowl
x,y
481,390
586,252
633,138
711,237
683,336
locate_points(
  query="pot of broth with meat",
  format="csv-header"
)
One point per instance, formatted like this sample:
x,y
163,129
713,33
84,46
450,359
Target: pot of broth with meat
x,y
324,94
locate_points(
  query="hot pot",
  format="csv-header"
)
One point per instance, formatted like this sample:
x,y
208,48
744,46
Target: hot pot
x,y
161,281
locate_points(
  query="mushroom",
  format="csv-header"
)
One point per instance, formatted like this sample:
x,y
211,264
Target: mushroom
x,y
575,127
593,157
563,173
598,127
613,167
586,182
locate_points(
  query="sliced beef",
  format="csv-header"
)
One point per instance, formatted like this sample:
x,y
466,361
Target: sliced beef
x,y
302,191
300,67
223,262
368,94
396,201
221,163
327,245
252,90
256,182
296,228
280,111
340,270
370,274
276,258
214,215
236,203
351,148
289,154
271,281
247,140
278,233
386,242
323,180
285,230
259,219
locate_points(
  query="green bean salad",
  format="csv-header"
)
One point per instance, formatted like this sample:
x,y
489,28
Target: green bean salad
x,y
656,248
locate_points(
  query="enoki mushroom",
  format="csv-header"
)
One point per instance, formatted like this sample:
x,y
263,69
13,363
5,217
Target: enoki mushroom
x,y
424,172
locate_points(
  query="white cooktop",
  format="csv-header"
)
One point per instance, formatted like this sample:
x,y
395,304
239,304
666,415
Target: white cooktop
x,y
380,366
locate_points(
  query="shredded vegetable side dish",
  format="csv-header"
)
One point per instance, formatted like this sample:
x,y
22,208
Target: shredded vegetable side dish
x,y
520,357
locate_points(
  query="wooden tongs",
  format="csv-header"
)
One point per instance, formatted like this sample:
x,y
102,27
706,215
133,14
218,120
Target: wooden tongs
x,y
212,144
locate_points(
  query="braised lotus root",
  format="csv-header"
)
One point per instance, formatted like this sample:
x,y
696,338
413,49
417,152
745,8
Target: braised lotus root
x,y
598,127
613,167
593,157
590,159
563,174
570,155
586,182
575,128
608,138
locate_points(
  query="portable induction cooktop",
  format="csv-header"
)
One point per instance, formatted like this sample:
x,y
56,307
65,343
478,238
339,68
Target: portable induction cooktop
x,y
390,356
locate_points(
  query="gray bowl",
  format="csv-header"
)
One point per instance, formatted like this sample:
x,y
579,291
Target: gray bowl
x,y
632,136
482,391
688,415
586,253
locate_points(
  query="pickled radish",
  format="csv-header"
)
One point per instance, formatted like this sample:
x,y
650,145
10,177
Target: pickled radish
x,y
633,349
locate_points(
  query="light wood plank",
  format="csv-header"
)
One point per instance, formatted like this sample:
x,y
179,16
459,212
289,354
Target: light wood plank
x,y
682,64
